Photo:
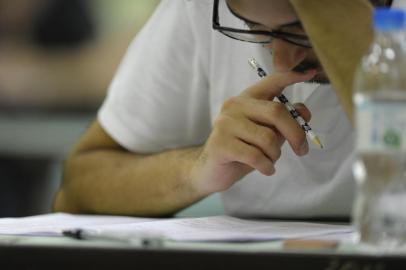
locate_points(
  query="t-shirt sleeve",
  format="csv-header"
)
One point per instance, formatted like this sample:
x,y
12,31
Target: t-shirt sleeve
x,y
158,99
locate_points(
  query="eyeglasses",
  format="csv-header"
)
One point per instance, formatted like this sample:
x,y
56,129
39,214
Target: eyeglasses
x,y
256,36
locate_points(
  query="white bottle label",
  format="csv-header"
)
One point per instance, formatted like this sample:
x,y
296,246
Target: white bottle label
x,y
381,126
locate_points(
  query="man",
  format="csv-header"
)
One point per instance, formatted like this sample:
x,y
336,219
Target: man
x,y
187,117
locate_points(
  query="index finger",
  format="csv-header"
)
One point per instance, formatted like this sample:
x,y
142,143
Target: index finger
x,y
273,85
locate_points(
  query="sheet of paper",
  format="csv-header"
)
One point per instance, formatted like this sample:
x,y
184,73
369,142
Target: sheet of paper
x,y
54,224
218,228
224,228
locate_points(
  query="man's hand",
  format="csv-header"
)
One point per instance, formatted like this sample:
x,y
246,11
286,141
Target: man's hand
x,y
249,133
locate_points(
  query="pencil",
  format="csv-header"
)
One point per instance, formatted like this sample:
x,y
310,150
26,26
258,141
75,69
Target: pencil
x,y
295,114
132,239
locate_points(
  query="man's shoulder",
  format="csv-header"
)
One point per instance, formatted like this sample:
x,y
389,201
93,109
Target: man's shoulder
x,y
200,6
196,12
201,3
190,5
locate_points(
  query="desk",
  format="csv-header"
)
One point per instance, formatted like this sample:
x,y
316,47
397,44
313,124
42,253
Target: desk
x,y
62,253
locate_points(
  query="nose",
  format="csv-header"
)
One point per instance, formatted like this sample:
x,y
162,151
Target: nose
x,y
286,56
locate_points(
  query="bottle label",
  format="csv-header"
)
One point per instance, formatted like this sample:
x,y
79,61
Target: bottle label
x,y
381,126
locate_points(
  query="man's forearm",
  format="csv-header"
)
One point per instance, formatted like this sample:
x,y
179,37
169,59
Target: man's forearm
x,y
117,182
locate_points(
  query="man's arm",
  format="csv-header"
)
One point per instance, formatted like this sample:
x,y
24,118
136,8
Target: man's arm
x,y
341,32
102,177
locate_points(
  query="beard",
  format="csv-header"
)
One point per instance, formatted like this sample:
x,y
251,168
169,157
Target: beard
x,y
320,78
306,65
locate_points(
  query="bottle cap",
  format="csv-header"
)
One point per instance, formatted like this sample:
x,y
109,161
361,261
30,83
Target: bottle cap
x,y
386,19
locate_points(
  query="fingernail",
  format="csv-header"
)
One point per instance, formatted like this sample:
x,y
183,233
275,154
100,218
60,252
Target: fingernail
x,y
304,148
299,106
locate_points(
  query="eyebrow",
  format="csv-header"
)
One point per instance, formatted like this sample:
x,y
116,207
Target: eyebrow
x,y
291,24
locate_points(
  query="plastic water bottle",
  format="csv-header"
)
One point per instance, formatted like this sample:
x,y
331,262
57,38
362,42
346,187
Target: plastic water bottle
x,y
379,213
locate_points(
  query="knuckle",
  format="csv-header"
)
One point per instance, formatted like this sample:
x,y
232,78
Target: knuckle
x,y
269,141
230,103
255,158
277,109
267,137
221,121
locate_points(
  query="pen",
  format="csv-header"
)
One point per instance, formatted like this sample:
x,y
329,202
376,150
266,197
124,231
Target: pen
x,y
295,114
137,240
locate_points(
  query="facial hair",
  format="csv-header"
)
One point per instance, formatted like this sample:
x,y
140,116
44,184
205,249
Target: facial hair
x,y
307,65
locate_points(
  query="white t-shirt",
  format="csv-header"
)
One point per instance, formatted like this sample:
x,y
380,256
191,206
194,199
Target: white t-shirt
x,y
171,85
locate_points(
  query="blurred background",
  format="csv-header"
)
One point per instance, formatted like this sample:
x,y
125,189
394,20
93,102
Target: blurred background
x,y
57,58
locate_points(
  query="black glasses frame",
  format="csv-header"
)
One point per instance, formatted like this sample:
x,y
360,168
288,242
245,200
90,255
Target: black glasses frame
x,y
272,34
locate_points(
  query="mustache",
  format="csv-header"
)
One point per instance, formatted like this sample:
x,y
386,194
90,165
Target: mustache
x,y
306,65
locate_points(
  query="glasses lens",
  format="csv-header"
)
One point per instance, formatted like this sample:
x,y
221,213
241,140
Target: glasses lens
x,y
236,28
248,37
304,42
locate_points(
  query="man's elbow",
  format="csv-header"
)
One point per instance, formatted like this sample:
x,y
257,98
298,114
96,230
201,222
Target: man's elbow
x,y
62,203
64,199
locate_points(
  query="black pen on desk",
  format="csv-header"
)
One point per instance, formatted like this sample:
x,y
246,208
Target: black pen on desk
x,y
144,241
295,114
